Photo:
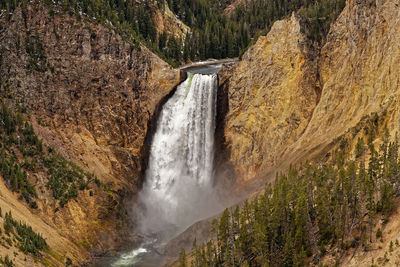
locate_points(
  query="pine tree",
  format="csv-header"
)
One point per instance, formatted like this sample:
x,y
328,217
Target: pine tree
x,y
182,258
312,202
224,236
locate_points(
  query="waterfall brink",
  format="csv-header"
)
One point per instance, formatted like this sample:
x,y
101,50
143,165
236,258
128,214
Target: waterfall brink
x,y
178,189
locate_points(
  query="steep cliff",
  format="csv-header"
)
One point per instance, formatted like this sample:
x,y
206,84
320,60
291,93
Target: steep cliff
x,y
272,93
300,105
288,103
91,96
88,78
359,73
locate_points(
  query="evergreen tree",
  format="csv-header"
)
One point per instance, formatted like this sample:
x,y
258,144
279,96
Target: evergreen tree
x,y
182,258
313,203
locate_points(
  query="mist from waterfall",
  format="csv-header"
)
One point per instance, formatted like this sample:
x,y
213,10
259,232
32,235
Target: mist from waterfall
x,y
178,188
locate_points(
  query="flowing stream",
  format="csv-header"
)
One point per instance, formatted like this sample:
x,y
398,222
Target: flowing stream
x,y
178,188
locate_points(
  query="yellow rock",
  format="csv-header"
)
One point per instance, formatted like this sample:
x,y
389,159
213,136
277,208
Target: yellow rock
x,y
272,94
287,103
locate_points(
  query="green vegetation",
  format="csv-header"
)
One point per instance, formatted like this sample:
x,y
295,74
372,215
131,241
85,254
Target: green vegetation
x,y
319,15
216,35
26,239
6,262
182,258
22,153
37,57
310,210
65,178
213,35
14,133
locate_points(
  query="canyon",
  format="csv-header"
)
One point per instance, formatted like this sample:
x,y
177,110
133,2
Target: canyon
x,y
95,98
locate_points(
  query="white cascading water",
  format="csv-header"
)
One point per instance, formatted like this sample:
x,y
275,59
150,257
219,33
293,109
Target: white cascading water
x,y
178,189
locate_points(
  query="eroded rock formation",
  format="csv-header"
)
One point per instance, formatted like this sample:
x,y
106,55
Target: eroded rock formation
x,y
91,96
288,102
359,72
272,93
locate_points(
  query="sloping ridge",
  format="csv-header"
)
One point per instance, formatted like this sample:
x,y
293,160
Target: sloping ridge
x,y
275,124
272,94
359,72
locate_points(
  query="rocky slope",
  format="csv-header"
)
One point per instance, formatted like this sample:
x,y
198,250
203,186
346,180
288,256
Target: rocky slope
x,y
166,21
230,9
272,94
288,103
358,70
381,252
91,96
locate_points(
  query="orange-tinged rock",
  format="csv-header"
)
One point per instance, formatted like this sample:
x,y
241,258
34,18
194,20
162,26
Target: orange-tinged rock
x,y
359,72
272,94
93,103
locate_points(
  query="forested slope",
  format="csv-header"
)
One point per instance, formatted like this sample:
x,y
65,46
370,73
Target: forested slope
x,y
218,35
312,210
212,34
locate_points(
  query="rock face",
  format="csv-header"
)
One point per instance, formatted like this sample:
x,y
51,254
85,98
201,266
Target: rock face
x,y
166,21
277,115
359,72
230,9
287,104
272,94
96,90
92,97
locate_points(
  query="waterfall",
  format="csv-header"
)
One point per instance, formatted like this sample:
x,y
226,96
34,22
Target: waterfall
x,y
178,189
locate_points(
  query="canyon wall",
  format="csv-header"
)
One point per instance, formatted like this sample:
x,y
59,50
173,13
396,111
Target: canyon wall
x,y
91,96
271,94
96,90
359,72
166,21
289,103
